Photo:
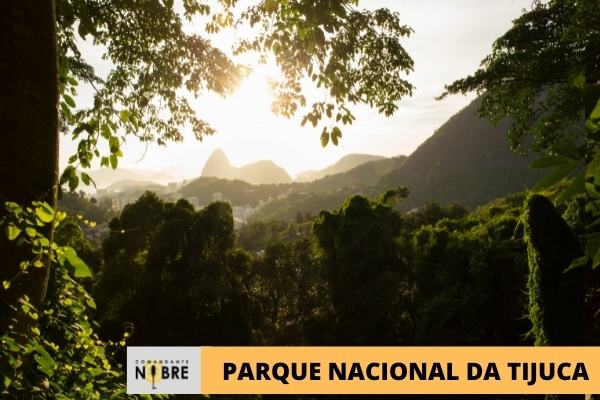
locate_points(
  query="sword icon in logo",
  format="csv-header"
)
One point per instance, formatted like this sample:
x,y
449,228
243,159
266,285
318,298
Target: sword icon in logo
x,y
153,374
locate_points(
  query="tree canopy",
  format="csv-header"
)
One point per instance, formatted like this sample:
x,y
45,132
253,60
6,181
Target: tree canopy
x,y
543,73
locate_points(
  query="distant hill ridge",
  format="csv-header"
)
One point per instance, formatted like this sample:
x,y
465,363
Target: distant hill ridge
x,y
105,177
344,164
367,174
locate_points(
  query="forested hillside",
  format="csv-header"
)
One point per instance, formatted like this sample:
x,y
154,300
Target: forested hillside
x,y
238,192
466,161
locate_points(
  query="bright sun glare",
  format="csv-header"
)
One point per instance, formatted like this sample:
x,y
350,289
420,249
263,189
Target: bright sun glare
x,y
248,131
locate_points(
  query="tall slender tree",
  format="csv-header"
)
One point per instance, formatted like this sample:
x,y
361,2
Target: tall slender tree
x,y
29,122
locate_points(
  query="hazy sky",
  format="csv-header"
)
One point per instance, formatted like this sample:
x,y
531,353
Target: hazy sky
x,y
450,39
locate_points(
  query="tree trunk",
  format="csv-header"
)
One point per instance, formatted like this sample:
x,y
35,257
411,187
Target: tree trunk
x,y
29,130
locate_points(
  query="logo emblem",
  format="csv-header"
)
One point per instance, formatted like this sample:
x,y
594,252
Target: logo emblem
x,y
163,370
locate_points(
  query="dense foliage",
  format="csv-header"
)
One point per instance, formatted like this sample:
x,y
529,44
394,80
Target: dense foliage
x,y
556,292
176,269
366,275
52,351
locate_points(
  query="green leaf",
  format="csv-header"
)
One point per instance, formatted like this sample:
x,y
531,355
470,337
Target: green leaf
x,y
12,207
591,126
45,362
591,190
576,186
79,267
113,161
105,131
324,138
64,178
596,260
336,134
113,143
124,116
60,216
63,66
596,111
594,166
549,161
44,215
270,6
85,178
561,172
12,232
69,100
592,247
6,284
90,302
577,263
73,182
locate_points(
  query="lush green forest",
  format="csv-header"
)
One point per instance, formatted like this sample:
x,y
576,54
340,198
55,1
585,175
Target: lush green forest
x,y
425,277
331,262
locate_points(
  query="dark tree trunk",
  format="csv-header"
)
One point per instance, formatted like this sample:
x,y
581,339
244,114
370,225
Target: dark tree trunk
x,y
29,129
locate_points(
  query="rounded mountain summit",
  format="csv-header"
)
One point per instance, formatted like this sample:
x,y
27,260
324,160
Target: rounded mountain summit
x,y
259,172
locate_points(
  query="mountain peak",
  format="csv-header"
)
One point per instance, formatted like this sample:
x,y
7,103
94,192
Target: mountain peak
x,y
219,154
263,171
218,165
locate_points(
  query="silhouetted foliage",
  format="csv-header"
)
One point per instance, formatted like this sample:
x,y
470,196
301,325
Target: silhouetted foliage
x,y
257,236
287,283
169,266
556,292
470,273
75,204
365,273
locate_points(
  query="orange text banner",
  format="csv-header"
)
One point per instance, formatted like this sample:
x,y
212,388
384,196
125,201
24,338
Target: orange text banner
x,y
400,370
